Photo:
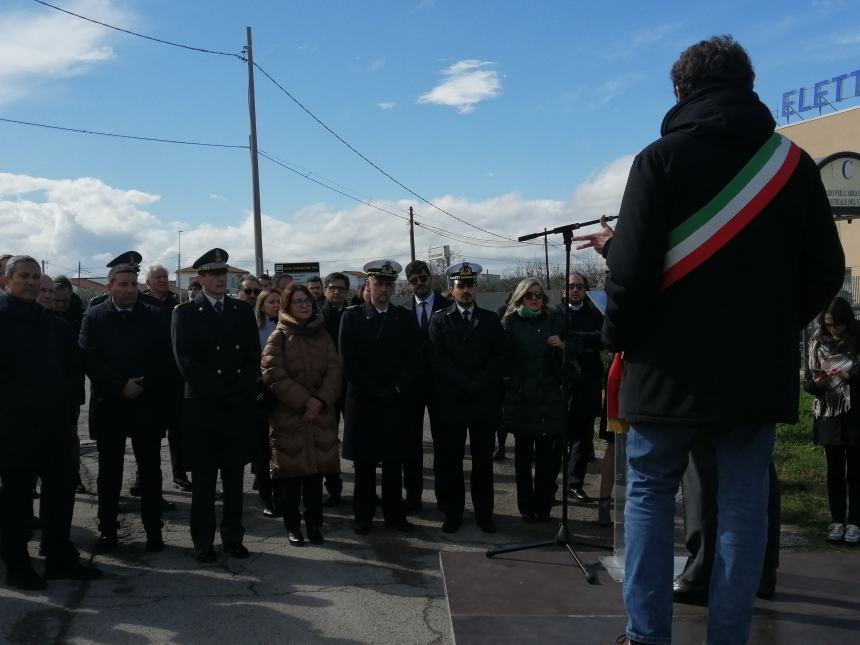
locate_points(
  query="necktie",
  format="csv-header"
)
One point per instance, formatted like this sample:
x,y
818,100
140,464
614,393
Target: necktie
x,y
424,319
466,317
219,307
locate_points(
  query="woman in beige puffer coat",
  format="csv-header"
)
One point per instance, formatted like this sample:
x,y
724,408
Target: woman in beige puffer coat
x,y
300,368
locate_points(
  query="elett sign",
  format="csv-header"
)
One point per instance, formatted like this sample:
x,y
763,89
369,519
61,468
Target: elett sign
x,y
844,86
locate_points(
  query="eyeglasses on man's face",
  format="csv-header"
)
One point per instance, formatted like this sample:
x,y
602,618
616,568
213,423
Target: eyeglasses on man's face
x,y
576,285
415,279
333,287
248,291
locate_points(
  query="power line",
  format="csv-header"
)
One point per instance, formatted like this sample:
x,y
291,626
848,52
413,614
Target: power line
x,y
362,156
134,33
122,136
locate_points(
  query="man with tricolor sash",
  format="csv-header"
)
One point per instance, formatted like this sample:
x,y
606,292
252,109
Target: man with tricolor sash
x,y
725,249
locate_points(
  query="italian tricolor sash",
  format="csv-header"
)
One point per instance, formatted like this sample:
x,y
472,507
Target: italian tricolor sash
x,y
705,232
710,228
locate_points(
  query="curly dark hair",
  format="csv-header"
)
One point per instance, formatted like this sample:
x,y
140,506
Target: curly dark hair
x,y
719,59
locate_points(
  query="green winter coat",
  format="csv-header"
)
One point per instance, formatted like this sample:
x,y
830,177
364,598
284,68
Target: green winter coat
x,y
533,402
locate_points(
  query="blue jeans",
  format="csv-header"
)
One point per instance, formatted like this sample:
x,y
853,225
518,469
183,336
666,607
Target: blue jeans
x,y
657,458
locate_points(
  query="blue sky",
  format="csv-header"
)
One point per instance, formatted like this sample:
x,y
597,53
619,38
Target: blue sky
x,y
511,115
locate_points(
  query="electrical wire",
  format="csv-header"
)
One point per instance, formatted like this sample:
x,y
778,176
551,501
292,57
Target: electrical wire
x,y
123,136
134,33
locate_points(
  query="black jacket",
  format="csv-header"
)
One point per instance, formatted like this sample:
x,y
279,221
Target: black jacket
x,y
583,350
378,356
468,364
721,344
39,373
332,316
219,357
117,346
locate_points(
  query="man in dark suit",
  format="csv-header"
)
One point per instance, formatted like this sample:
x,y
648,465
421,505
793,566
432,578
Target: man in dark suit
x,y
378,352
423,304
39,385
217,349
466,350
335,290
125,350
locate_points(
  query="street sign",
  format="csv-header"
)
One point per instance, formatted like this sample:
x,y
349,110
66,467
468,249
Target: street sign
x,y
300,271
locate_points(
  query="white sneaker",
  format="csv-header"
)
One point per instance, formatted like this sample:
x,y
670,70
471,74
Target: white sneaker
x,y
836,533
852,534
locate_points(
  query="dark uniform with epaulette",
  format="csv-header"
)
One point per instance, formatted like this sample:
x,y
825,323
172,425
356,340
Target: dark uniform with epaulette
x,y
218,354
468,359
118,345
378,353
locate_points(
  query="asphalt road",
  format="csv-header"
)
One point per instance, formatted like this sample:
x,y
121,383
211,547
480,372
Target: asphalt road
x,y
385,587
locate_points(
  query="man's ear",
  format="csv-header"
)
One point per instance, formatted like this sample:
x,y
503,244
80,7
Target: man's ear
x,y
677,93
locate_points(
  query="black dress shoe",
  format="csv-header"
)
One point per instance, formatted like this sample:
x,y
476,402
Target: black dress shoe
x,y
182,483
236,551
686,592
361,528
206,556
315,536
270,511
413,504
295,537
579,495
70,570
487,525
167,506
25,578
106,543
332,500
154,541
403,525
451,524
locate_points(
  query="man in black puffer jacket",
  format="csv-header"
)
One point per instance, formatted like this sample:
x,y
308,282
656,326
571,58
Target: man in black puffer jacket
x,y
719,204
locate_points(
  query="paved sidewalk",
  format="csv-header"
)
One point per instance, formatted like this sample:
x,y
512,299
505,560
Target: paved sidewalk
x,y
381,588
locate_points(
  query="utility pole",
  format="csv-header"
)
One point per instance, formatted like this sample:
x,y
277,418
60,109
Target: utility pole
x,y
43,266
412,233
255,171
546,256
179,267
79,274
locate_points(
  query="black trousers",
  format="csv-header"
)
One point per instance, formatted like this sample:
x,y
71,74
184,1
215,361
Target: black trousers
x,y
536,494
174,436
147,453
448,468
364,496
264,457
333,481
581,446
843,483
59,478
294,491
203,479
413,468
700,517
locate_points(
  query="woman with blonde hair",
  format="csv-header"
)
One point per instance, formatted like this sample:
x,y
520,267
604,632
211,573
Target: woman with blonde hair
x,y
266,312
533,403
301,369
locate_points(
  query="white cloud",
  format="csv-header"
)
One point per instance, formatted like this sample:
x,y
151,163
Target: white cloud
x,y
377,65
386,105
467,84
42,43
851,38
67,220
591,98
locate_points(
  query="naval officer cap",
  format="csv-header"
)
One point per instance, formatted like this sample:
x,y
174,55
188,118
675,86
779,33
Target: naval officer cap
x,y
383,269
463,271
212,260
125,262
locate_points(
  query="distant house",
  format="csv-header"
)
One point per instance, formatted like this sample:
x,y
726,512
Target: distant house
x,y
234,275
95,285
356,279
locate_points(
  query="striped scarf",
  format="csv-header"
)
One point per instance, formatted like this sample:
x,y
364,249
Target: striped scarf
x,y
836,399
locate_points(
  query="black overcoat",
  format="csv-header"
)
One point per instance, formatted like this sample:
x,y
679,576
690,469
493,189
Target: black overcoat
x,y
38,384
117,346
468,363
721,345
378,355
218,355
582,337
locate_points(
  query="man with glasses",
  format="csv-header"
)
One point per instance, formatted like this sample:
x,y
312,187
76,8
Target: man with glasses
x,y
336,287
378,353
583,349
249,289
424,303
217,348
466,349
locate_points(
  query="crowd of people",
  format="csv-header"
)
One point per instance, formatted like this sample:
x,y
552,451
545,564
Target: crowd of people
x,y
264,378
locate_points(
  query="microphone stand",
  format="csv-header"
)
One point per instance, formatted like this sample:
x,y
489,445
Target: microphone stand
x,y
564,537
